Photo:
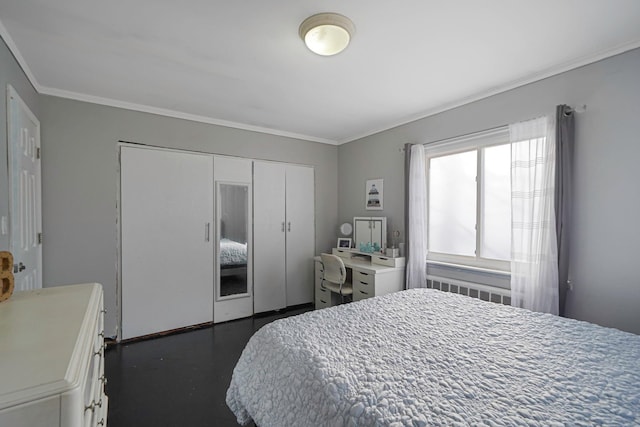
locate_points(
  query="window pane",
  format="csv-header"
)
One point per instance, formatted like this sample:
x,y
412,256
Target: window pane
x,y
496,231
452,203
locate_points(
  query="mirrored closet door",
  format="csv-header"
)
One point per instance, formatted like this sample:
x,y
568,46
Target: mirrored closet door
x,y
233,258
233,216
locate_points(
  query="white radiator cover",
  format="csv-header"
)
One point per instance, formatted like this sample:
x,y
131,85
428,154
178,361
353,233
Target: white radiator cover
x,y
473,290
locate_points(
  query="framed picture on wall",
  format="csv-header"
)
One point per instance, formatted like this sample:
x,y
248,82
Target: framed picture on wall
x,y
374,194
344,242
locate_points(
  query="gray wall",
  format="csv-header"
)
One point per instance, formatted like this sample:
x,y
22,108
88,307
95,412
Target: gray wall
x,y
606,238
80,179
12,74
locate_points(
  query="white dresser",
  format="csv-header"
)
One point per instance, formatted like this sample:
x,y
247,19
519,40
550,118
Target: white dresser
x,y
371,275
52,358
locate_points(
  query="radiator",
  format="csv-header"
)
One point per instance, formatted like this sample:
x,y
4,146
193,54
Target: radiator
x,y
473,290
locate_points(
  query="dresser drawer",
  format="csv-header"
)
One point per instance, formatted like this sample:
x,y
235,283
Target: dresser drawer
x,y
342,253
361,292
388,261
94,390
101,415
323,299
323,293
361,277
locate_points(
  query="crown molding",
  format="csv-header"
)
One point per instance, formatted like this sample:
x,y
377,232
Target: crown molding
x,y
177,114
43,90
550,72
13,48
559,69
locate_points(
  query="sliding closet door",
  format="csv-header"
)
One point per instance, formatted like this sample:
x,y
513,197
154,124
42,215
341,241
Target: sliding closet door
x,y
166,238
300,234
269,267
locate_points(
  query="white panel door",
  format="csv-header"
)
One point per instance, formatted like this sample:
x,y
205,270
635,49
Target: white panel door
x,y
167,242
269,237
300,234
25,211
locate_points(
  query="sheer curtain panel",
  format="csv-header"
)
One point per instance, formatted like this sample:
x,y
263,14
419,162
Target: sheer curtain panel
x,y
417,235
534,251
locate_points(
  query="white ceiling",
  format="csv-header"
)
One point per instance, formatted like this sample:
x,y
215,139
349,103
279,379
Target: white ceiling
x,y
242,63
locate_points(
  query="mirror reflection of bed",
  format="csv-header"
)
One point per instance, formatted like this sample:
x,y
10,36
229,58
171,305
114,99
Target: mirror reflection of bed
x,y
233,267
233,239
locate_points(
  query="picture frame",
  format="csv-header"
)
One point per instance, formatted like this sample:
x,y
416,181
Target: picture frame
x,y
374,195
344,242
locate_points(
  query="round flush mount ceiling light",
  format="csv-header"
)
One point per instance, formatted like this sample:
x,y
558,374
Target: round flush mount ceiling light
x,y
326,33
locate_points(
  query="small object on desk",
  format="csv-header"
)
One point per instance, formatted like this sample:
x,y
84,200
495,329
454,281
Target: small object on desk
x,y
369,248
344,242
392,252
394,238
346,229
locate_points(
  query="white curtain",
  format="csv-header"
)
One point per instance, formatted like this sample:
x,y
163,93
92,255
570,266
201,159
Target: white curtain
x,y
417,261
534,251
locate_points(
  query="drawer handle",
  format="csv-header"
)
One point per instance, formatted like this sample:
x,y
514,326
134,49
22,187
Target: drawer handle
x,y
103,311
364,283
103,380
363,292
101,334
101,422
364,274
100,349
324,302
384,259
93,405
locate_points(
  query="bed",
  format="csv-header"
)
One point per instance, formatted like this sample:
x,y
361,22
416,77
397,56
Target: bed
x,y
233,257
425,357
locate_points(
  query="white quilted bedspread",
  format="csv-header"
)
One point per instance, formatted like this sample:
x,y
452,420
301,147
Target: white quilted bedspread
x,y
232,252
423,357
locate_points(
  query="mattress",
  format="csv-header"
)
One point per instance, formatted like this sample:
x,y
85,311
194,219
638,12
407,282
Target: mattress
x,y
232,253
424,357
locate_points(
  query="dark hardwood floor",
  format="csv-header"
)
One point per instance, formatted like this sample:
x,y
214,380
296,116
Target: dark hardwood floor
x,y
181,379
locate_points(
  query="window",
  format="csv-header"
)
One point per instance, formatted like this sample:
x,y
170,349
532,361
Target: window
x,y
469,200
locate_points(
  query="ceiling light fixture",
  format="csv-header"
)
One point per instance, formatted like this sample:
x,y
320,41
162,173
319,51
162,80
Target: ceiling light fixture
x,y
326,33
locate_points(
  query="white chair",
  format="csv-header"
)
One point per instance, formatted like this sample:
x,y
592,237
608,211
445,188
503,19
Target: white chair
x,y
334,276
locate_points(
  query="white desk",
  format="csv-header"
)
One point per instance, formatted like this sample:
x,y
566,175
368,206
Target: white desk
x,y
371,275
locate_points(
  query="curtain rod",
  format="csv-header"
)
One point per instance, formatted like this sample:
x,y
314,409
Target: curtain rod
x,y
579,109
478,132
568,111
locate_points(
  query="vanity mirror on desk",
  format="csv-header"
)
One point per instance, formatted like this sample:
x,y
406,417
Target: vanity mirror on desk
x,y
372,274
370,230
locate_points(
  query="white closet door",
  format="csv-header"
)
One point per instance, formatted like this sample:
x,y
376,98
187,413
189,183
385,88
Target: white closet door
x,y
269,237
167,250
300,234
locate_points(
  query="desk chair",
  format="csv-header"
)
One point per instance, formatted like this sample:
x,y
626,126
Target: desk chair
x,y
334,276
